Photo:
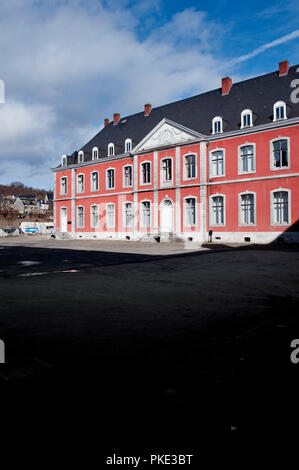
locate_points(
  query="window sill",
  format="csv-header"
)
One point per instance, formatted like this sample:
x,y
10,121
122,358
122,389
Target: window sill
x,y
247,172
280,168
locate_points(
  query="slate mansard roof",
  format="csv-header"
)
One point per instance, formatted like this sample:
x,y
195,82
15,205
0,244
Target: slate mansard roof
x,y
257,94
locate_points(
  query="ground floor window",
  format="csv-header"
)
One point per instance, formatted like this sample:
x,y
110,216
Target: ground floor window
x,y
80,217
128,214
190,213
280,207
218,210
94,216
247,209
110,215
146,214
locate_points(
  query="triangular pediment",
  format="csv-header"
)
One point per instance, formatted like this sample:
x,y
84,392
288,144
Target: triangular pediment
x,y
167,133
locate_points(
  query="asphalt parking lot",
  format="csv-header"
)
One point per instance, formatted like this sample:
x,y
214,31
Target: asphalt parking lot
x,y
161,345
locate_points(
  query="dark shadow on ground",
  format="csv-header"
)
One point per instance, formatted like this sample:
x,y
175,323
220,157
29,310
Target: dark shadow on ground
x,y
130,358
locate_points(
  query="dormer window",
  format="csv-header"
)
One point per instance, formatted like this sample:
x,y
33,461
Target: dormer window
x,y
95,153
110,150
128,145
217,125
81,156
246,118
64,160
279,111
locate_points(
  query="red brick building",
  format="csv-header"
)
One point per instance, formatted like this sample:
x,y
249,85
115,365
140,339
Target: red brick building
x,y
224,163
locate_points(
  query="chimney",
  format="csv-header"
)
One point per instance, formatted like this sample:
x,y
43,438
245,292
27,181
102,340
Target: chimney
x,y
283,68
226,85
116,118
147,109
106,122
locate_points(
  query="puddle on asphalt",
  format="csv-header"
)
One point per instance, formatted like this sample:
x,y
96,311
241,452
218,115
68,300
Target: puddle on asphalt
x,y
28,263
48,272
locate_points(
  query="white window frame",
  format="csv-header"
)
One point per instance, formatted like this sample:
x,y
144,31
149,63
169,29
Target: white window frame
x,y
128,141
162,181
95,153
272,167
185,177
244,113
92,225
64,193
141,214
106,217
273,223
77,218
77,183
124,176
240,162
214,120
246,193
211,165
64,160
141,174
91,182
111,150
185,211
211,210
279,104
108,169
125,213
81,156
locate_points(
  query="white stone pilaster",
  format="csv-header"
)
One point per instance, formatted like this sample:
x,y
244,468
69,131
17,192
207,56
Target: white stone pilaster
x,y
73,201
177,191
135,197
203,191
54,199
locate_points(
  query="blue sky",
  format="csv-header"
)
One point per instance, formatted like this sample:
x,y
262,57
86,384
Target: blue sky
x,y
68,64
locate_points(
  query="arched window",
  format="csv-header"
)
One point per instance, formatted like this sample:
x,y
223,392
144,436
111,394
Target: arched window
x,y
279,111
80,217
63,185
217,125
64,160
128,145
128,214
81,156
190,211
246,118
217,210
80,183
127,176
166,170
94,216
280,211
110,150
280,153
217,163
110,215
247,209
190,166
95,153
145,220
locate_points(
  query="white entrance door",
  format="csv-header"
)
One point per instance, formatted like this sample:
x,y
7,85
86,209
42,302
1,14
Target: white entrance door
x,y
63,219
166,217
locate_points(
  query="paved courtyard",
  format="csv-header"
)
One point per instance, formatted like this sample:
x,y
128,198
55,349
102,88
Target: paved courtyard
x,y
190,346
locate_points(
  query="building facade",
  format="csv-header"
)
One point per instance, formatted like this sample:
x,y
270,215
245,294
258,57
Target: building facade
x,y
220,166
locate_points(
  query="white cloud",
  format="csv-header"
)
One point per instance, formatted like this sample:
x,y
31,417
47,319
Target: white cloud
x,y
72,63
